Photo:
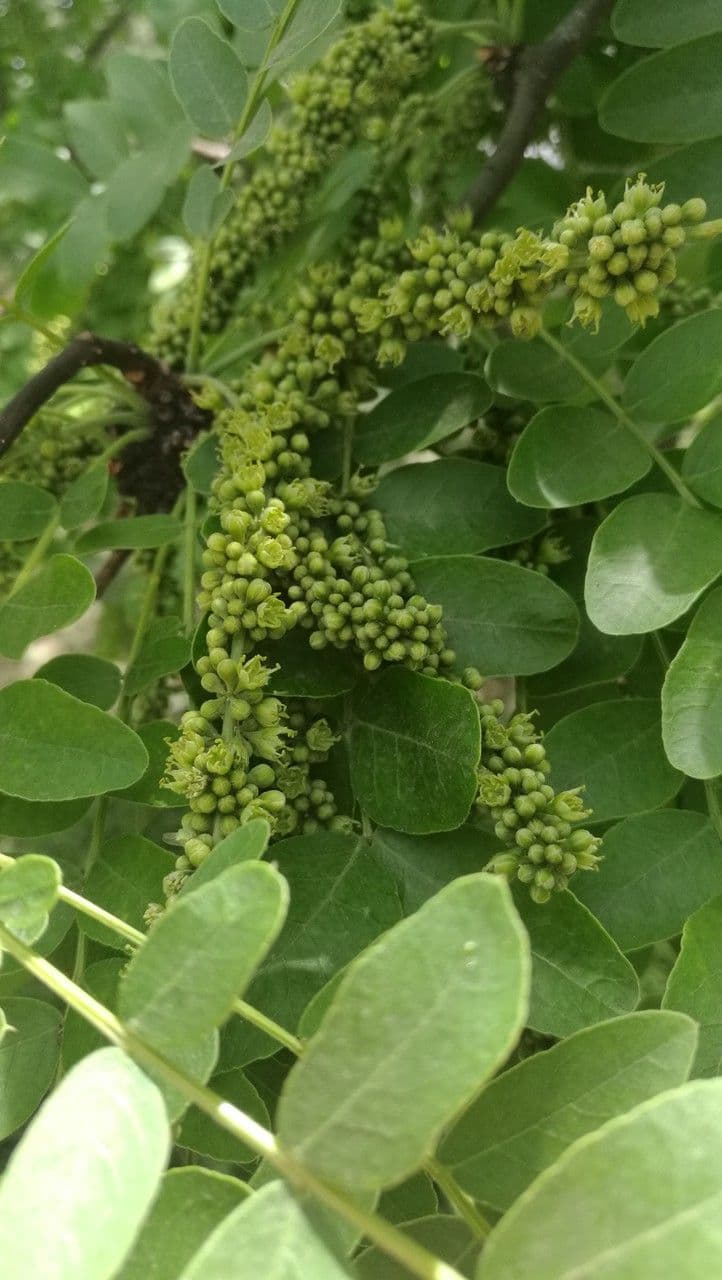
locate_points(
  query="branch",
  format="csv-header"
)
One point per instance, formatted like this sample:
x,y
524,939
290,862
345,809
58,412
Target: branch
x,y
538,68
150,469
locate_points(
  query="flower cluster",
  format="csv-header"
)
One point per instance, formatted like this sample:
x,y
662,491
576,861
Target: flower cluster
x,y
628,252
538,824
349,96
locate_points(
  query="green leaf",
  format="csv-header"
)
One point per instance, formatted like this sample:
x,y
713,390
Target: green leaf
x,y
650,560
445,1236
665,23
614,750
101,980
692,696
451,1015
596,657
33,269
579,975
85,496
247,844
639,1198
694,168
255,135
702,462
205,205
414,1198
127,875
527,1117
201,955
498,617
139,184
208,78
90,679
29,1056
27,818
60,591
189,1206
677,373
200,464
97,135
673,96
269,1235
131,532
695,984
28,893
251,15
418,414
140,87
658,868
55,747
305,673
421,360
25,510
164,650
452,507
311,19
421,865
567,456
80,1183
414,748
149,788
531,371
341,899
201,1134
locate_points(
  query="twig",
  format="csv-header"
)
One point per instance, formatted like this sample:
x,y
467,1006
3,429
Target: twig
x,y
538,67
154,382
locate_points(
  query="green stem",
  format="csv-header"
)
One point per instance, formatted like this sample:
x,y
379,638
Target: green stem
x,y
121,442
207,380
38,551
347,455
418,1261
136,939
464,1205
189,560
249,110
146,611
485,28
661,649
273,1029
246,349
616,409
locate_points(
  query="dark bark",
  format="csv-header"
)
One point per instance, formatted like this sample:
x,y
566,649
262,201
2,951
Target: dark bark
x,y
537,68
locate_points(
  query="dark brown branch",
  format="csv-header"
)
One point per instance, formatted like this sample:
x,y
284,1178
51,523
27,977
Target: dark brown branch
x,y
538,68
109,570
171,404
102,38
150,469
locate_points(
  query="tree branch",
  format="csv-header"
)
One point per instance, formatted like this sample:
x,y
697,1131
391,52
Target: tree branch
x,y
538,67
150,469
155,383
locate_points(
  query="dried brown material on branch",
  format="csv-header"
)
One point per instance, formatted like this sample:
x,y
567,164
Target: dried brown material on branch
x,y
537,68
150,469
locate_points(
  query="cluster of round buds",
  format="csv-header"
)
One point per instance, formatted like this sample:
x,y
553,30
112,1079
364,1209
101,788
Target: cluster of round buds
x,y
541,553
358,593
250,548
545,847
451,283
348,96
681,298
628,252
311,805
226,760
